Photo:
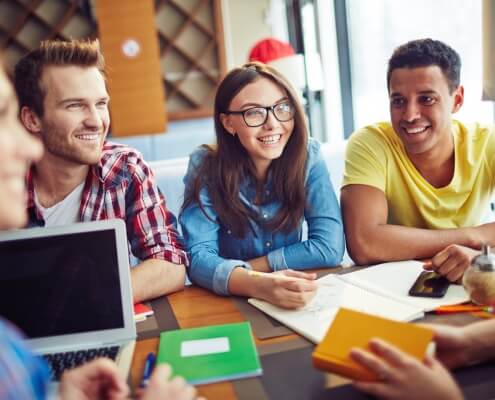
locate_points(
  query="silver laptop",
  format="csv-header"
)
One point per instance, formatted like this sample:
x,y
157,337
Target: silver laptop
x,y
69,290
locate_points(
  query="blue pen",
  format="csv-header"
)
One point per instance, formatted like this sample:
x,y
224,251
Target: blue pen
x,y
148,369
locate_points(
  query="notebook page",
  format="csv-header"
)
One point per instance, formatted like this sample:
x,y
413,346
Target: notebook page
x,y
313,320
396,278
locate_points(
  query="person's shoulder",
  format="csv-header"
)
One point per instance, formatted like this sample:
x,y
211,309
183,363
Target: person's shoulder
x,y
379,139
114,151
196,167
8,331
476,135
475,130
120,162
12,342
313,147
314,153
200,154
379,132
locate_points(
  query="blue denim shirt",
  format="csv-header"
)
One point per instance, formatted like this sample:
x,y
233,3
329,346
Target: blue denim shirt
x,y
23,375
215,251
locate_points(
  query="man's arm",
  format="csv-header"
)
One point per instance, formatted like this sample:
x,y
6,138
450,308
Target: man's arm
x,y
152,234
370,239
154,277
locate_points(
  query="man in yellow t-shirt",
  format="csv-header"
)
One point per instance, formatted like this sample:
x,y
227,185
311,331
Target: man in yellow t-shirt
x,y
418,187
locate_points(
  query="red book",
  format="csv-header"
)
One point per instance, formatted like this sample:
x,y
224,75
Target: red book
x,y
141,311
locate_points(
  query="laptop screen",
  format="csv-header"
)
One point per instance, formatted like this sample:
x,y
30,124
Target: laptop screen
x,y
61,284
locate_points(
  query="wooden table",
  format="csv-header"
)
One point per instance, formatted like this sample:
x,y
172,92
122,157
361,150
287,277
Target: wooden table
x,y
194,307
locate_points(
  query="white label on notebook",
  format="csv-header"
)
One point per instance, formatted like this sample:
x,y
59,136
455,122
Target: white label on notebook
x,y
201,347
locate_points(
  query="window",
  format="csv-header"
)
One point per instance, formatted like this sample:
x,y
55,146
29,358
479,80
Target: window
x,y
377,27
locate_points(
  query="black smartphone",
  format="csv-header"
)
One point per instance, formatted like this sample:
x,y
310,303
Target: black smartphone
x,y
429,284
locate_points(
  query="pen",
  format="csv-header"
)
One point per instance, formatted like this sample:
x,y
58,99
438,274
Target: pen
x,y
148,369
461,308
258,274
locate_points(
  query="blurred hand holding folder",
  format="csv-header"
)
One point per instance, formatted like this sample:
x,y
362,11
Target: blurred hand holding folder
x,y
355,329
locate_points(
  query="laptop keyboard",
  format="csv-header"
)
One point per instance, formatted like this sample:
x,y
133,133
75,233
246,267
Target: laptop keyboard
x,y
59,362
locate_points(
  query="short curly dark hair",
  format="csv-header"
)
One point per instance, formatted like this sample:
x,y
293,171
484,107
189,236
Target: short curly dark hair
x,y
426,52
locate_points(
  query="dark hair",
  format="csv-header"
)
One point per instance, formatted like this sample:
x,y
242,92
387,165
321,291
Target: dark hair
x,y
29,69
228,164
426,52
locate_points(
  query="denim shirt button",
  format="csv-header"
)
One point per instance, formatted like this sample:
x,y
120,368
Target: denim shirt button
x,y
265,216
268,244
229,231
267,192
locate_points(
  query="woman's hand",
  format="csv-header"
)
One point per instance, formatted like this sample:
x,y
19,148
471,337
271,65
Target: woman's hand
x,y
287,289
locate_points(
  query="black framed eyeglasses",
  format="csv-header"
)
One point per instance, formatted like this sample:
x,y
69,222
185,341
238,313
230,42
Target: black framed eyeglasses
x,y
257,116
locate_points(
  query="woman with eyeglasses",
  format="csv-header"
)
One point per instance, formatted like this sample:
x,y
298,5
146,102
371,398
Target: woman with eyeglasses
x,y
247,197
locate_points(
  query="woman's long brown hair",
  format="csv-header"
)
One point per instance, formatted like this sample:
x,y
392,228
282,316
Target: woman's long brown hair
x,y
227,165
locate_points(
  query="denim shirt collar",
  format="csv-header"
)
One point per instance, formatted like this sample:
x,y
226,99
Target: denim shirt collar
x,y
248,190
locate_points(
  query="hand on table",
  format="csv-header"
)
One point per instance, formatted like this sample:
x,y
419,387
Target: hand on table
x,y
452,261
163,388
286,293
101,379
402,376
98,379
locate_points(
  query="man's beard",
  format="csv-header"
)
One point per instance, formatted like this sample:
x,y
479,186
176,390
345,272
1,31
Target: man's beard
x,y
57,144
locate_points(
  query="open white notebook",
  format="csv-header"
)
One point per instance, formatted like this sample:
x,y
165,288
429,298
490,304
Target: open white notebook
x,y
380,290
396,278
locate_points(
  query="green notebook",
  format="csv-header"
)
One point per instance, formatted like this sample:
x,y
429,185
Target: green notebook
x,y
210,354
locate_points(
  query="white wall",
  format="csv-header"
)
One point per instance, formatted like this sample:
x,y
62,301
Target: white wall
x,y
245,22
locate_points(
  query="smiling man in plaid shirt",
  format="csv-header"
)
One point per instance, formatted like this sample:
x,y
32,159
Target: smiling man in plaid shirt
x,y
81,177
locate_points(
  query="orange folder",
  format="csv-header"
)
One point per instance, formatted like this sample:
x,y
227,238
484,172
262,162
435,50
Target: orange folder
x,y
355,329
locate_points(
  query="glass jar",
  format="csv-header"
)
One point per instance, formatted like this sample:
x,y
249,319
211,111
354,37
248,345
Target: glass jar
x,y
479,278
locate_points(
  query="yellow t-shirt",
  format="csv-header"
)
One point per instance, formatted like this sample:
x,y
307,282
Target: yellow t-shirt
x,y
376,157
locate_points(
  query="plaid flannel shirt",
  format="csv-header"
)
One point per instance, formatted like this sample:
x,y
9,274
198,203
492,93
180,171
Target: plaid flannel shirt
x,y
22,374
123,186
